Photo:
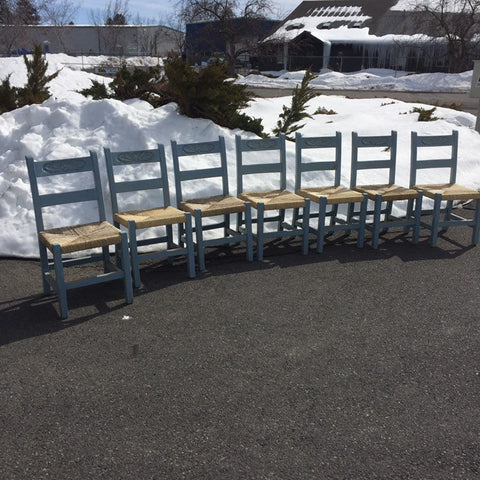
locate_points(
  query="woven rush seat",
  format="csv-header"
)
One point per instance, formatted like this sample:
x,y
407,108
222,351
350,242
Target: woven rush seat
x,y
153,217
334,195
214,205
449,191
389,192
274,199
81,237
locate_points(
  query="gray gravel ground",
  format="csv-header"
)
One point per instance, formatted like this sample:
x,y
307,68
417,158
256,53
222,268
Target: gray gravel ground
x,y
353,364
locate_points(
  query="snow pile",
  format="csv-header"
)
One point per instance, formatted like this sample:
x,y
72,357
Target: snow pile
x,y
69,125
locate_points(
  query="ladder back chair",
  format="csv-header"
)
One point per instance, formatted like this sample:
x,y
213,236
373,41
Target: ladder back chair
x,y
205,164
148,172
62,241
441,152
376,153
327,152
278,200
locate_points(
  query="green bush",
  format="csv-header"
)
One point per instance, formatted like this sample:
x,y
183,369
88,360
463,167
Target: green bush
x,y
97,91
136,83
208,94
425,114
8,96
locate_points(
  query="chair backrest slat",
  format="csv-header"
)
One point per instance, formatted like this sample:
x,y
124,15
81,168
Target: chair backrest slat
x,y
62,198
261,145
47,168
66,167
193,171
389,145
308,143
432,141
155,179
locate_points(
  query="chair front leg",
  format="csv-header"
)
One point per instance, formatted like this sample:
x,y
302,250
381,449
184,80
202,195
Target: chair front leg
x,y
248,231
189,242
437,201
476,223
127,269
199,235
418,216
132,237
322,210
47,289
60,280
362,221
377,213
306,226
260,228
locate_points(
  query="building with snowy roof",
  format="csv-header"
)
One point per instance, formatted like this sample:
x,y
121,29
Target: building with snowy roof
x,y
349,35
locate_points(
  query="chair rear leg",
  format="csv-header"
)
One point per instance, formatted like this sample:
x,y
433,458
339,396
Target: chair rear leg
x,y
60,280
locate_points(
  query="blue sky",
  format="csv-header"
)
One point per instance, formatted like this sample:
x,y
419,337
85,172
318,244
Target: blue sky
x,y
160,11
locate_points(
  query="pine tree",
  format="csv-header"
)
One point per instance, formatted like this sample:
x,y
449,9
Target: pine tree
x,y
36,90
290,116
8,96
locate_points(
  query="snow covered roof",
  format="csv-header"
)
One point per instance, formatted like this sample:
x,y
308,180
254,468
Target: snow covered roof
x,y
350,20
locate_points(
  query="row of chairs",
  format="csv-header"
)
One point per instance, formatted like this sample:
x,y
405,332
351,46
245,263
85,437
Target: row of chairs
x,y
131,173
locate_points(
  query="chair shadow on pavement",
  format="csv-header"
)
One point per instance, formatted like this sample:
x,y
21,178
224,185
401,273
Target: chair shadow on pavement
x,y
27,313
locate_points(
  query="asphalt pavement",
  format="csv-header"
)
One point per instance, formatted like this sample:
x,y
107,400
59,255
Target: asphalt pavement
x,y
351,364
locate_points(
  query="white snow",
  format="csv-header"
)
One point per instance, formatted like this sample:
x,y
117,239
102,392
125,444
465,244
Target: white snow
x,y
69,125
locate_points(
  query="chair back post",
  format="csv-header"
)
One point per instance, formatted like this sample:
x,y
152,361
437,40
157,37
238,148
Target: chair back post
x,y
261,144
98,186
387,141
303,143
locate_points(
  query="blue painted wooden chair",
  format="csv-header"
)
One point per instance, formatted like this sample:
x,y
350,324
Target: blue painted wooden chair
x,y
444,150
148,172
326,165
64,240
204,164
271,166
377,153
